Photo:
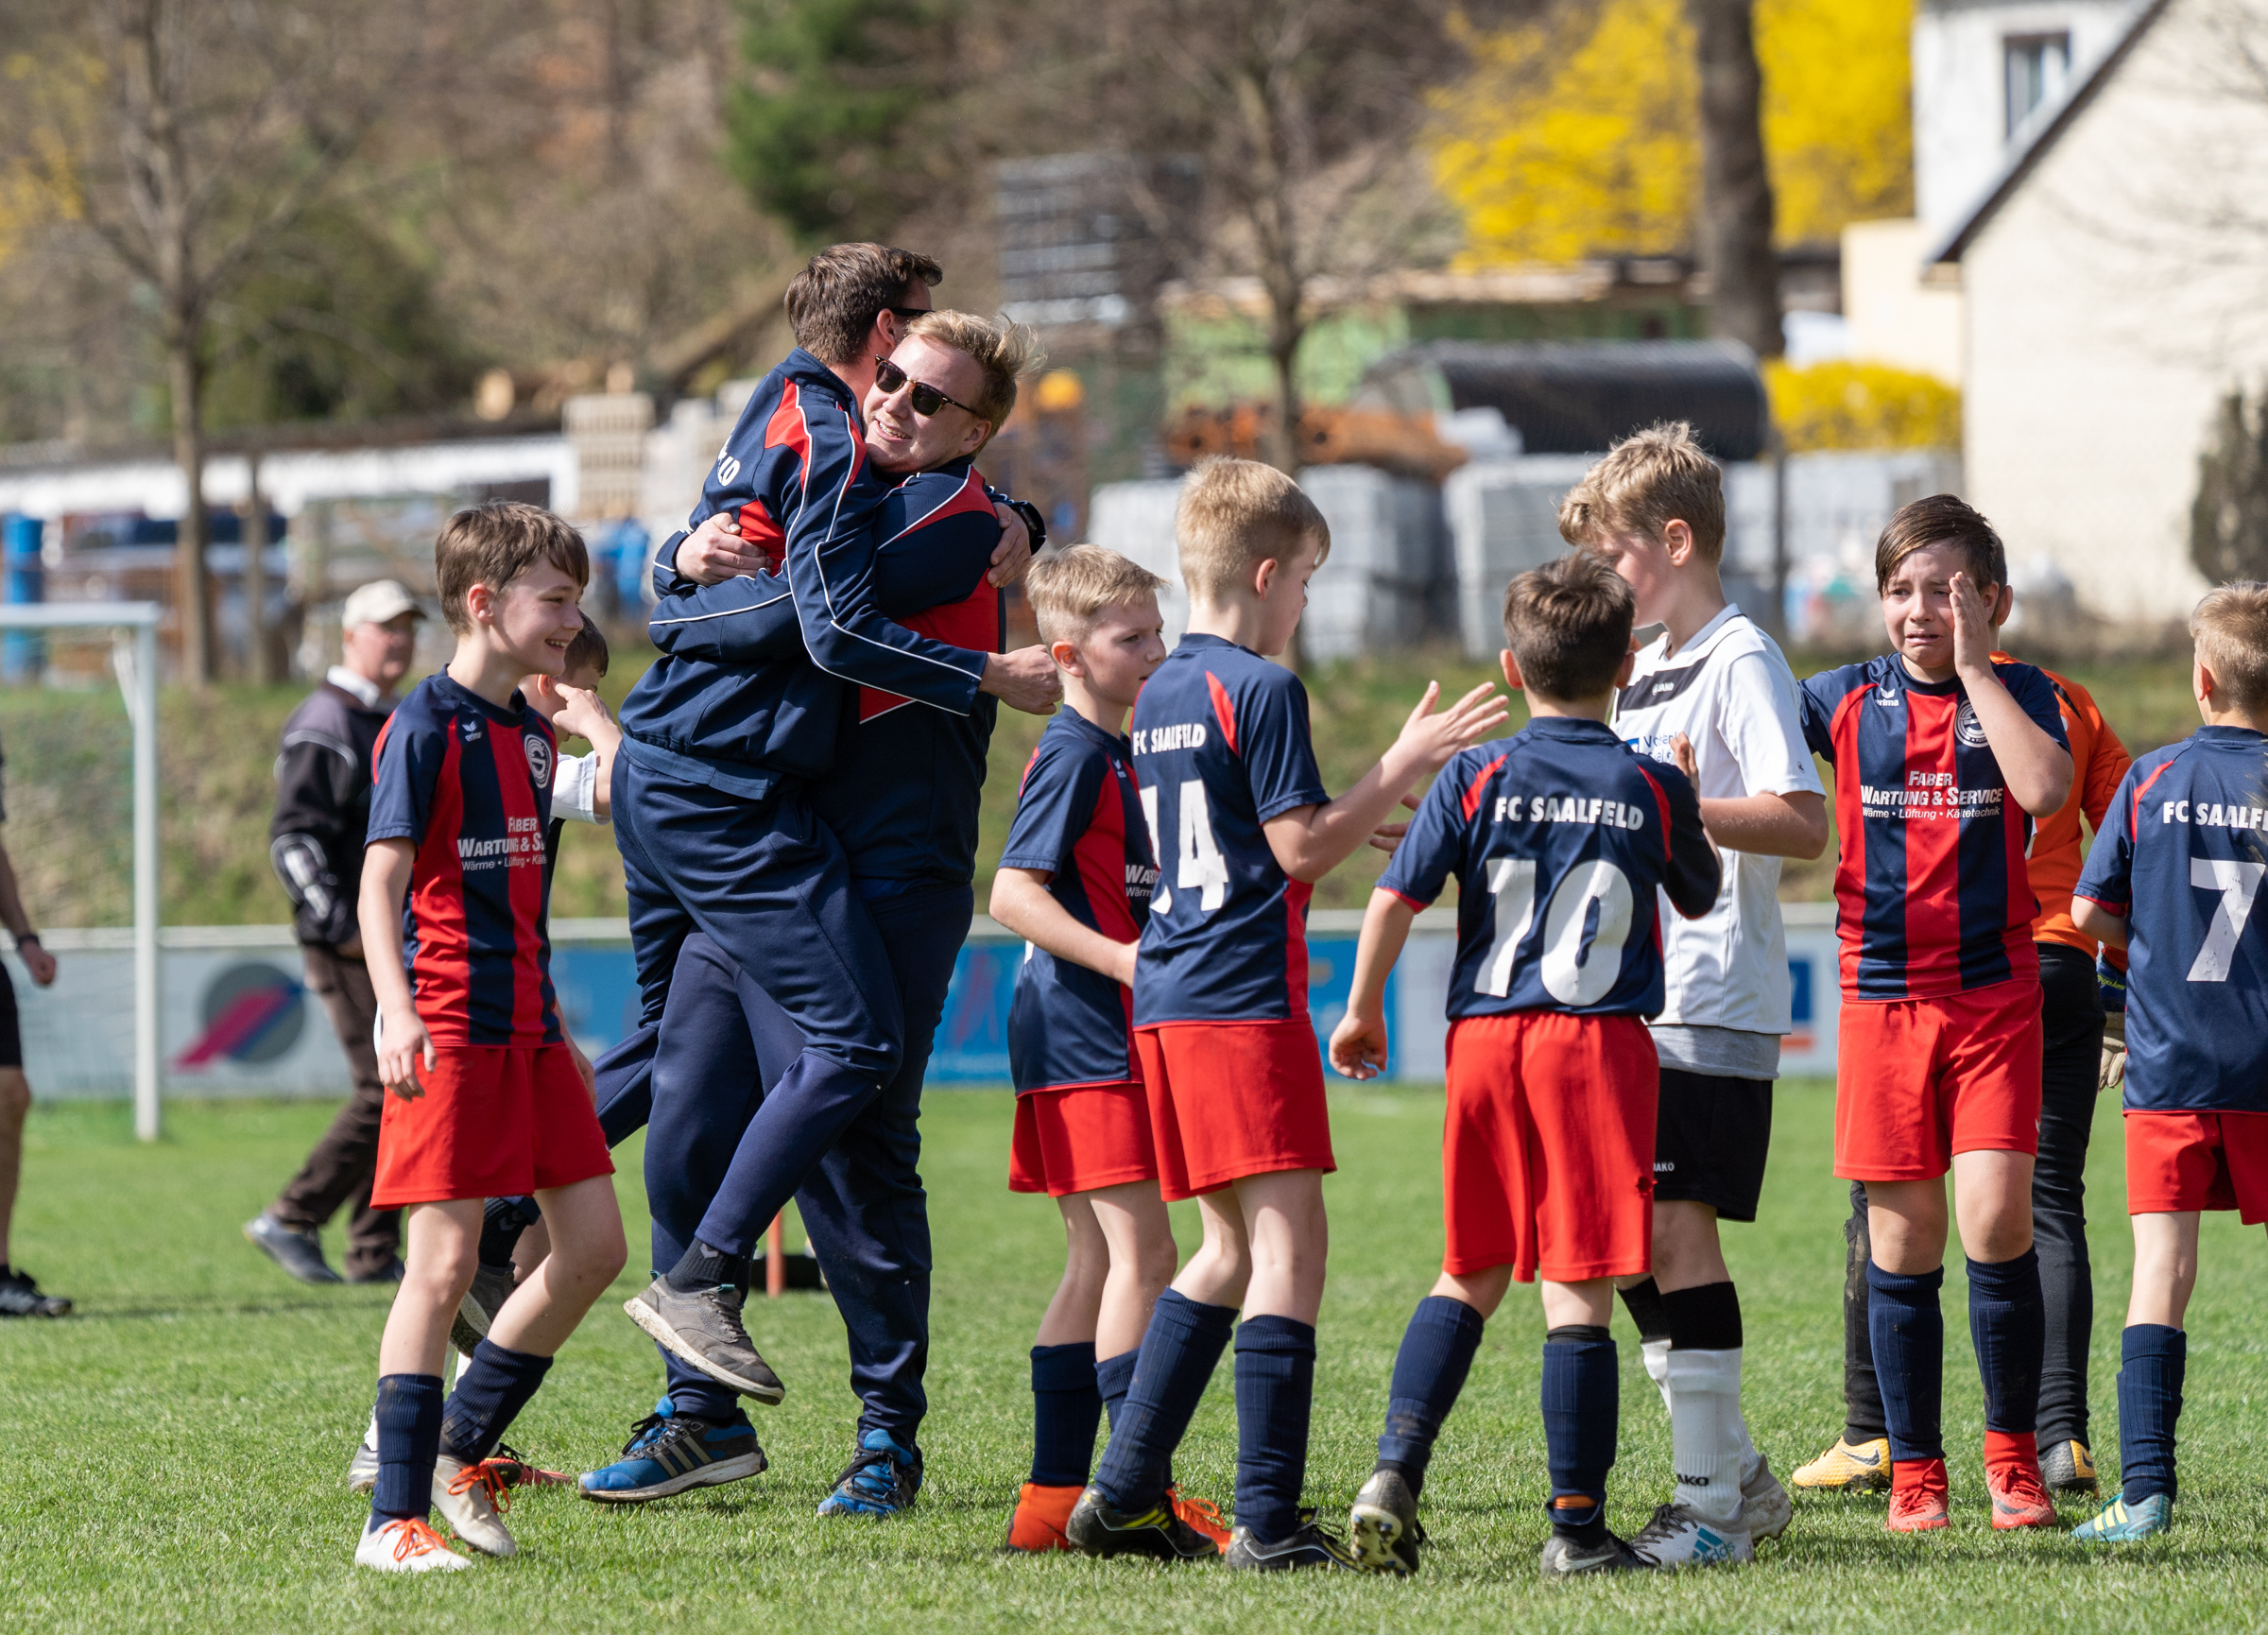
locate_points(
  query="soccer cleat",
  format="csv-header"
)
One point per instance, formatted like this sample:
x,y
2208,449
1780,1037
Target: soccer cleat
x,y
514,1471
1099,1528
2122,1524
2066,1467
1565,1558
362,1470
409,1546
20,1296
1677,1536
471,1499
1383,1526
703,1328
1312,1545
2019,1498
881,1481
1846,1468
1765,1507
297,1251
668,1453
1041,1513
1917,1501
1201,1514
492,1286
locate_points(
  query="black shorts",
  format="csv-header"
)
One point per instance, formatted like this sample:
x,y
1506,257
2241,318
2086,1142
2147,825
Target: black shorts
x,y
1710,1140
11,1033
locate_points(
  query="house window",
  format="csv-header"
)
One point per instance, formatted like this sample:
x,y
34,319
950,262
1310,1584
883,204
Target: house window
x,y
2038,66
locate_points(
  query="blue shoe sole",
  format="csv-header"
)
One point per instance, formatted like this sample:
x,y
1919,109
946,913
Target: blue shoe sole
x,y
717,1474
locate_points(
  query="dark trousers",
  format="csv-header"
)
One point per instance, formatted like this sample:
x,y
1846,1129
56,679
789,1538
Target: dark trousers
x,y
2071,1062
769,885
864,1206
340,1168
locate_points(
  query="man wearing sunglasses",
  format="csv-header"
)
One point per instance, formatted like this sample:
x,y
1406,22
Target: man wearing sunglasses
x,y
724,754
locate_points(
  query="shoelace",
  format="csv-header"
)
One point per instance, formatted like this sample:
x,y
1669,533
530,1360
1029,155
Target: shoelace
x,y
488,1476
520,1471
1193,1510
417,1538
646,1431
873,1473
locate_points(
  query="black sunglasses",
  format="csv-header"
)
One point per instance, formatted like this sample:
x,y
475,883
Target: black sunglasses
x,y
909,312
927,399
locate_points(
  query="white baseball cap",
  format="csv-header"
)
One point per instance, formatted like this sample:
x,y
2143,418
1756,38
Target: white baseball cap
x,y
377,602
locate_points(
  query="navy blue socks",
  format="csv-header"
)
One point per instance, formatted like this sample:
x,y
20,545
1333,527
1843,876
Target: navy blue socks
x,y
1582,1408
1112,1377
1275,1395
1066,1408
2009,1324
1428,1371
2152,1362
1179,1351
409,1440
491,1392
1908,1333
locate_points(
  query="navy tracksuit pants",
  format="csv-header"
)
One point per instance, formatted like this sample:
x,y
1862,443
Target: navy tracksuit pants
x,y
773,892
863,1207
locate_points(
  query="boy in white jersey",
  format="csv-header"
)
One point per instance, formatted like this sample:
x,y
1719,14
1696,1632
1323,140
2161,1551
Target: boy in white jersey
x,y
1654,509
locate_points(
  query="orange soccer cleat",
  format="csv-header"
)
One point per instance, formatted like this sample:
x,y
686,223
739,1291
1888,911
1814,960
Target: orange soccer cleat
x,y
1917,1501
1201,1514
2019,1496
1040,1513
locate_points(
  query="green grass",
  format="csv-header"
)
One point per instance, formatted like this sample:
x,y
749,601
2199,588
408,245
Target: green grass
x,y
173,1457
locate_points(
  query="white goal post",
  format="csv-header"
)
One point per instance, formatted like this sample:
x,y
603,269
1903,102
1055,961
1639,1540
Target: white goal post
x,y
135,657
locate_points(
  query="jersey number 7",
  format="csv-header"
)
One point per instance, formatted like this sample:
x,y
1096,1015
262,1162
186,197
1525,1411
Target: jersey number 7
x,y
1200,865
2239,883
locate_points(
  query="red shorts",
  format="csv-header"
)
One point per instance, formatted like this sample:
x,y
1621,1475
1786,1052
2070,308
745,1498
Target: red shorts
x,y
1917,1081
1547,1162
495,1121
2178,1161
1082,1137
1229,1099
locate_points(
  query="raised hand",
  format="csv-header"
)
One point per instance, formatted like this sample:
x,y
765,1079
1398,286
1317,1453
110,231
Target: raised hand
x,y
584,711
1386,836
1431,736
1972,626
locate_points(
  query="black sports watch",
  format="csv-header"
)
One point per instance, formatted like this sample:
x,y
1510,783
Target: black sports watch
x,y
1034,523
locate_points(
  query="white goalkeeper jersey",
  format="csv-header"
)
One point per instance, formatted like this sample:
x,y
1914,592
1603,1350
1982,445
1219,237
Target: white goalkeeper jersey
x,y
1730,691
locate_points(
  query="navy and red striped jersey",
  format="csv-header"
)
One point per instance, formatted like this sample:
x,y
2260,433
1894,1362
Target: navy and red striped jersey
x,y
1222,744
795,471
2181,855
469,785
1078,819
1562,839
1932,897
903,794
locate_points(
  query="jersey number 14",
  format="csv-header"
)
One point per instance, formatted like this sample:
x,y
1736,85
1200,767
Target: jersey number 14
x,y
1200,866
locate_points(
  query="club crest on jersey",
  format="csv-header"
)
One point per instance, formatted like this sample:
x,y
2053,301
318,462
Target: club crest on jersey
x,y
539,760
1967,728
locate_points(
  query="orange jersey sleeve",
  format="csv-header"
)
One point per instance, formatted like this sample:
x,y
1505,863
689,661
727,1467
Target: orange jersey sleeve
x,y
2099,761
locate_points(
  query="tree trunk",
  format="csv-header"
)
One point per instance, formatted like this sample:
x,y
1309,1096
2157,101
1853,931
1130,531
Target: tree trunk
x,y
185,374
1736,190
260,667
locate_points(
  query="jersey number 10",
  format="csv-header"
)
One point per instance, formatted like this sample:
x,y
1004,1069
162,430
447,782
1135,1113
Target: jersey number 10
x,y
1199,865
1573,972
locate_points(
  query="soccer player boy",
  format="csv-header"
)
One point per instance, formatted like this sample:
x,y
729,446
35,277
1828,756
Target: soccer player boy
x,y
486,1094
2175,878
1942,758
1560,838
1074,882
1654,510
1242,829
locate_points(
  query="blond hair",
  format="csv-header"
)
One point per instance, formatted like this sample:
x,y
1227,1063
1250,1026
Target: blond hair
x,y
1068,588
494,543
1235,514
1647,481
1567,624
1004,351
2230,628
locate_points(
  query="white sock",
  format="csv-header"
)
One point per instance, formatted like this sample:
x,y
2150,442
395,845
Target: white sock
x,y
1705,1432
1750,1458
1657,1354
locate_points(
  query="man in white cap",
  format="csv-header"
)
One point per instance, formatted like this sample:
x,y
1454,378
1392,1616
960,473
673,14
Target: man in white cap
x,y
316,844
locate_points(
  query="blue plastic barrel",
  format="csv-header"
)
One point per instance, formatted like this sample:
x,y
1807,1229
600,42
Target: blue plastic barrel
x,y
23,653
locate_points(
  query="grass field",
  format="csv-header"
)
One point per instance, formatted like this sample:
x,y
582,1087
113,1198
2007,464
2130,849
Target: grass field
x,y
173,1457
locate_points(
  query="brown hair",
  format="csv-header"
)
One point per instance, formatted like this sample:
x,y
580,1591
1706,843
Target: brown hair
x,y
1003,350
1235,514
2230,628
1941,520
1069,587
1647,481
587,651
1567,624
834,303
494,543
